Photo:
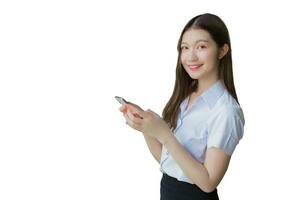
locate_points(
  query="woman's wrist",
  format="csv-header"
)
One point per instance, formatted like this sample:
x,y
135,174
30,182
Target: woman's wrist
x,y
166,137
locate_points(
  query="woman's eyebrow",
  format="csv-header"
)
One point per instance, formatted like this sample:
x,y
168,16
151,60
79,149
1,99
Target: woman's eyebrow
x,y
201,40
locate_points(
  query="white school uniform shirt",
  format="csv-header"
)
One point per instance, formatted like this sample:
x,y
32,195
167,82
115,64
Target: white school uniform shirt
x,y
214,119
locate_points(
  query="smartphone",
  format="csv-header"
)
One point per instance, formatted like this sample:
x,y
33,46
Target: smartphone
x,y
121,100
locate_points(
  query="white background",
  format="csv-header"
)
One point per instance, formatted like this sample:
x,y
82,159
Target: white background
x,y
62,62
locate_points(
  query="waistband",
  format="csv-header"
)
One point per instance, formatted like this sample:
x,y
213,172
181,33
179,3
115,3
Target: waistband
x,y
172,187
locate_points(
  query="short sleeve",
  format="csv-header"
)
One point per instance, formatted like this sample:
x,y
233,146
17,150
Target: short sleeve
x,y
225,129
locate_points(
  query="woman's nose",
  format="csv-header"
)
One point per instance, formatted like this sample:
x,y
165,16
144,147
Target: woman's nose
x,y
192,56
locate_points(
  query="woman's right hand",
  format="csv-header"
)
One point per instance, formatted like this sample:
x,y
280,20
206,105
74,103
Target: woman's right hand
x,y
130,107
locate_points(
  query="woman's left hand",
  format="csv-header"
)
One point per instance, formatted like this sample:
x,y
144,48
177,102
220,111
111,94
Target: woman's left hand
x,y
147,122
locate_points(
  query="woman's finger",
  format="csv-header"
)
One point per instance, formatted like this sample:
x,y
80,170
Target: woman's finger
x,y
131,123
128,120
123,108
133,118
133,104
138,112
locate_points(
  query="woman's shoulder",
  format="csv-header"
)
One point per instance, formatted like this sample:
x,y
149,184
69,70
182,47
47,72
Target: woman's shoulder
x,y
227,106
227,101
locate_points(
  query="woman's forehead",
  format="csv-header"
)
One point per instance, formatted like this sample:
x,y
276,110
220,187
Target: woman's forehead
x,y
195,35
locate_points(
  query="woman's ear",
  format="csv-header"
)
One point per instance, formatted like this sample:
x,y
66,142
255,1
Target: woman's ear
x,y
223,51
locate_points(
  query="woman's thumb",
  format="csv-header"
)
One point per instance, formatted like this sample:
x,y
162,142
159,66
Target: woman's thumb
x,y
134,106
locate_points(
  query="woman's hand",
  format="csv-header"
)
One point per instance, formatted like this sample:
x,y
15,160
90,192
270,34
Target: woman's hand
x,y
124,109
147,122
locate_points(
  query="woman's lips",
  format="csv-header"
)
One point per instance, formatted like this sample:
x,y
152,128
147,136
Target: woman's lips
x,y
194,68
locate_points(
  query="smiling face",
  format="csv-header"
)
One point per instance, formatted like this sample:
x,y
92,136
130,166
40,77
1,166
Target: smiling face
x,y
199,55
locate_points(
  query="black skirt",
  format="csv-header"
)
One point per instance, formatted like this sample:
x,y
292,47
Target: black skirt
x,y
172,189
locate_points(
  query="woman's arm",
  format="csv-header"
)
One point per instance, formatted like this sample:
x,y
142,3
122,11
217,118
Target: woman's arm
x,y
154,146
206,176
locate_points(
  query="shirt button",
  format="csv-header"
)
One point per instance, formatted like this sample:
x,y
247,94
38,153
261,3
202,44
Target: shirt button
x,y
167,153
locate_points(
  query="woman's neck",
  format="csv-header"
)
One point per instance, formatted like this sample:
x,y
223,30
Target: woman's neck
x,y
204,85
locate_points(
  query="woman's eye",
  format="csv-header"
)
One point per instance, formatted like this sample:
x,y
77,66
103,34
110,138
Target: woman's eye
x,y
185,47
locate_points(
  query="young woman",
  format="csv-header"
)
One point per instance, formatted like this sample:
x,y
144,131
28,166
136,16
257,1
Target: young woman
x,y
202,122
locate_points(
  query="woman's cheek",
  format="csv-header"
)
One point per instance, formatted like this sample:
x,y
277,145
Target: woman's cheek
x,y
208,57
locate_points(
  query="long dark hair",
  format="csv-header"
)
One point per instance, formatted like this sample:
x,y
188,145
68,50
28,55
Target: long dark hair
x,y
184,84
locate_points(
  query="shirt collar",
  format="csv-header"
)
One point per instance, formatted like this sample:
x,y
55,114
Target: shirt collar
x,y
210,96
